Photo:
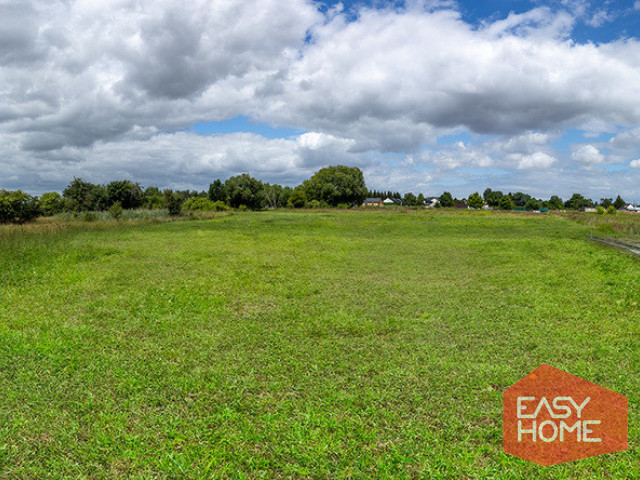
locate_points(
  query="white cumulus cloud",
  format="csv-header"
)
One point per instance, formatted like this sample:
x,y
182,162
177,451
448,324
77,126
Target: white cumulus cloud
x,y
536,160
588,155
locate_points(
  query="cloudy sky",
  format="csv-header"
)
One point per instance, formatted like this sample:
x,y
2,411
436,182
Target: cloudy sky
x,y
422,95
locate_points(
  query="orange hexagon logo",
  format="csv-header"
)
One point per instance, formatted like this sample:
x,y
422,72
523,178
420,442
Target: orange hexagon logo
x,y
551,416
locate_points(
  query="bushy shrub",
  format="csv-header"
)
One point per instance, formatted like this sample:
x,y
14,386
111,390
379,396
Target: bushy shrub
x,y
314,204
201,204
220,206
600,210
152,198
198,204
611,210
17,207
51,203
173,202
116,210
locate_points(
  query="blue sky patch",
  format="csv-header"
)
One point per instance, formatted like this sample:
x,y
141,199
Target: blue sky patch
x,y
242,123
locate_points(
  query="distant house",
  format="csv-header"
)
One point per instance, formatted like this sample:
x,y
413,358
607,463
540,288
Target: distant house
x,y
392,201
631,208
431,202
588,209
373,202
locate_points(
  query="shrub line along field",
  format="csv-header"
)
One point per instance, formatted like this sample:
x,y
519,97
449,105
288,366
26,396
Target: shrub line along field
x,y
290,344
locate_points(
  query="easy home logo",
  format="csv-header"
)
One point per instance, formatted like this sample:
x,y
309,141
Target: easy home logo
x,y
552,417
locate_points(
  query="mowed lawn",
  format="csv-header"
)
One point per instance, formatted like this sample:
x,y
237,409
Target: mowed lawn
x,y
346,344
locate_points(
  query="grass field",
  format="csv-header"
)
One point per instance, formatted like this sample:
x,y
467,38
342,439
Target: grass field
x,y
302,344
621,226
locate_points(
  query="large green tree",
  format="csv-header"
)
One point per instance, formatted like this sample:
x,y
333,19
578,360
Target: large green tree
x,y
297,198
605,202
217,192
82,196
173,202
245,190
555,203
446,199
577,201
520,199
533,204
475,200
506,203
492,197
410,200
335,185
285,194
127,193
619,203
272,194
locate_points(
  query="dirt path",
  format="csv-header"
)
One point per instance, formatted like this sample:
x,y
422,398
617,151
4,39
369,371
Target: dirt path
x,y
619,244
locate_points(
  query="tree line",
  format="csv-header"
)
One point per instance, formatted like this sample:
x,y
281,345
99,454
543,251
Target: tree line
x,y
510,201
331,187
334,186
497,199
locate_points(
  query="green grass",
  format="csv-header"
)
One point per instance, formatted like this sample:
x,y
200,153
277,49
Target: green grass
x,y
623,226
103,216
342,344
